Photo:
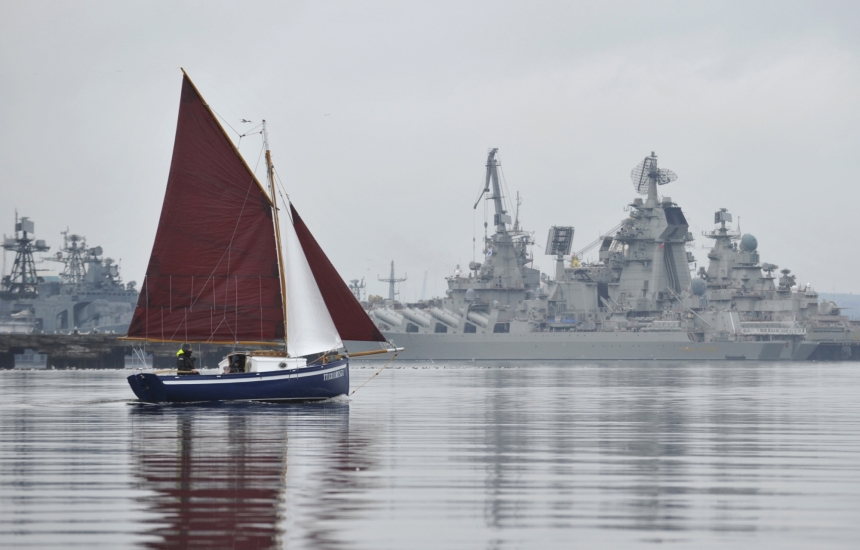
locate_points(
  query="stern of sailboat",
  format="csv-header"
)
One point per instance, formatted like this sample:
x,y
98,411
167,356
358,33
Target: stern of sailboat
x,y
148,387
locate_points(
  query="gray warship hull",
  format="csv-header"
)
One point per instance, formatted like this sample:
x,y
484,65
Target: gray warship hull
x,y
583,347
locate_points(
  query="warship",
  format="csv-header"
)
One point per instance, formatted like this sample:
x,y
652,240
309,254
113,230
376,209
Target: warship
x,y
87,294
736,280
639,300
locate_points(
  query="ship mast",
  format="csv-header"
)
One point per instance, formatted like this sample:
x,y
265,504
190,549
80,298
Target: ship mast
x,y
270,173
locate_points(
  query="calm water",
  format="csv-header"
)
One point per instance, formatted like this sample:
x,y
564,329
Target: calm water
x,y
453,455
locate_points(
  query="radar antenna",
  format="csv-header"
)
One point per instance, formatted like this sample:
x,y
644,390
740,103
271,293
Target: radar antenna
x,y
23,281
646,176
357,288
392,294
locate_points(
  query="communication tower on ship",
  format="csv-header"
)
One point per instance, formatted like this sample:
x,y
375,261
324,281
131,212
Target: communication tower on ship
x,y
391,280
22,282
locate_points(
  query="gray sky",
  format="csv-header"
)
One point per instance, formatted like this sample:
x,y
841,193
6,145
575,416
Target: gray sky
x,y
381,115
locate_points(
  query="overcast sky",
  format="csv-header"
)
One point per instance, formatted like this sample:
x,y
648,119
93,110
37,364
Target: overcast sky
x,y
381,115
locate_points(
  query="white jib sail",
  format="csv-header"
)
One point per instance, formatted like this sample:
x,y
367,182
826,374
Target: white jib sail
x,y
309,325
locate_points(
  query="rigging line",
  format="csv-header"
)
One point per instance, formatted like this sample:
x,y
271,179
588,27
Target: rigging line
x,y
286,199
262,147
179,326
375,374
225,121
323,356
249,132
281,187
224,318
260,282
216,330
236,282
282,191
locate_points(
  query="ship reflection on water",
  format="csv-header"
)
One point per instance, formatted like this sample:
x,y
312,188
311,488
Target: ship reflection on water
x,y
216,476
430,455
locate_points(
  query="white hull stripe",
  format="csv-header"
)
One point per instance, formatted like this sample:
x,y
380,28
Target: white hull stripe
x,y
228,379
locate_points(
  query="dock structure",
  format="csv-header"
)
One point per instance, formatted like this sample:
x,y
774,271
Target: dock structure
x,y
99,351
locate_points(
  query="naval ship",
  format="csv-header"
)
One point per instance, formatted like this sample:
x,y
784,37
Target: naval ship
x,y
640,300
769,305
87,294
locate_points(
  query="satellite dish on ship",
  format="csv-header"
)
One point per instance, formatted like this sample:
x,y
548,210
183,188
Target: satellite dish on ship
x,y
647,172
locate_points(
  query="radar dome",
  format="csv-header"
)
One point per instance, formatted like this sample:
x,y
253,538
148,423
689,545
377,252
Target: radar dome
x,y
698,286
749,242
470,294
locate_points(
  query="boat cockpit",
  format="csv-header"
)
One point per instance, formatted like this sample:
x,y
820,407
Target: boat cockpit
x,y
241,362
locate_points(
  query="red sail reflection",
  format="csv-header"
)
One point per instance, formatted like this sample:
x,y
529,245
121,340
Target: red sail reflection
x,y
218,479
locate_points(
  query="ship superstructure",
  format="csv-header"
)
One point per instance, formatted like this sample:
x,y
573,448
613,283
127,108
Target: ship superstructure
x,y
638,301
770,303
22,282
88,294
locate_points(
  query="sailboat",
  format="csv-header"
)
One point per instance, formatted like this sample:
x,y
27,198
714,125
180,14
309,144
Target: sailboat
x,y
221,272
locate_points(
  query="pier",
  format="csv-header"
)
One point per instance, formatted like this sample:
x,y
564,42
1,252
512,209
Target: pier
x,y
99,351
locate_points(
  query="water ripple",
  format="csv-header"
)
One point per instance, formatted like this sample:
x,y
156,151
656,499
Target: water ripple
x,y
430,455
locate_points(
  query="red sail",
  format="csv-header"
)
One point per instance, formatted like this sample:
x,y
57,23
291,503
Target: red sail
x,y
213,274
350,319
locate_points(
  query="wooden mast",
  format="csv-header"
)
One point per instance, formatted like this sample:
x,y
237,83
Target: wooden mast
x,y
270,172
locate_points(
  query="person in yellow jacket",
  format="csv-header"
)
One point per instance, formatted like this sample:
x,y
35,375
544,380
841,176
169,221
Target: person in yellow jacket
x,y
184,360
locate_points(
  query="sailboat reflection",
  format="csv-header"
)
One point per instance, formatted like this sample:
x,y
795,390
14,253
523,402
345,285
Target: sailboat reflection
x,y
216,476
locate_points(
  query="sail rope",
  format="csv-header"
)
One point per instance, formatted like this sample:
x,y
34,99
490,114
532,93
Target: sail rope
x,y
281,190
248,133
223,255
374,374
259,157
224,120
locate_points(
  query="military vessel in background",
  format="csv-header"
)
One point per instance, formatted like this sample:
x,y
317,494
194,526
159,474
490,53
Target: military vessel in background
x,y
767,305
85,294
638,301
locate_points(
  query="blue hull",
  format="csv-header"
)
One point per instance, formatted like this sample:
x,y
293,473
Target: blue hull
x,y
307,383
